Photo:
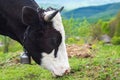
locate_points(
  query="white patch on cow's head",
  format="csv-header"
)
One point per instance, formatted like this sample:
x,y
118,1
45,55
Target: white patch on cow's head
x,y
57,65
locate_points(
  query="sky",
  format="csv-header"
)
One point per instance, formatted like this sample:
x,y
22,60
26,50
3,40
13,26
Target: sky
x,y
72,4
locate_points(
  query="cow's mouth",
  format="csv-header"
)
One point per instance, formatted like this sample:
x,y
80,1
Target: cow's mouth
x,y
62,74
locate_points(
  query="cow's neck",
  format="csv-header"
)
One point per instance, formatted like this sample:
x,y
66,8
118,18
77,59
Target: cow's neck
x,y
13,8
12,13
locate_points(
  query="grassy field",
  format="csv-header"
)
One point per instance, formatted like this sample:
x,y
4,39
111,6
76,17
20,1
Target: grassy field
x,y
105,65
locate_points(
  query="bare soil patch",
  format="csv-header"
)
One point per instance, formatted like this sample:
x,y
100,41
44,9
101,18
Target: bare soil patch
x,y
83,51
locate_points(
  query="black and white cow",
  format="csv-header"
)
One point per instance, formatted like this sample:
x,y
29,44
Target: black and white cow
x,y
45,36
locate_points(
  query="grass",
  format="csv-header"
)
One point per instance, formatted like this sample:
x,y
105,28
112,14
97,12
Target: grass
x,y
104,66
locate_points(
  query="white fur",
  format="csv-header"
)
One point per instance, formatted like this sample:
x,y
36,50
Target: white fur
x,y
60,64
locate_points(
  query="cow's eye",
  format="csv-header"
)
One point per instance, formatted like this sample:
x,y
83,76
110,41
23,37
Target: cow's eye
x,y
53,41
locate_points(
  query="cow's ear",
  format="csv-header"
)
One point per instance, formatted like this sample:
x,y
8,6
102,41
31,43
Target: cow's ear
x,y
29,16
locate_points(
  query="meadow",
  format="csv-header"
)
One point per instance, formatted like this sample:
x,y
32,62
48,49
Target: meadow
x,y
105,65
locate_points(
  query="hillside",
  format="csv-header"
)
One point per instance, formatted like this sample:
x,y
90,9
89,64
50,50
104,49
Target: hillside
x,y
94,13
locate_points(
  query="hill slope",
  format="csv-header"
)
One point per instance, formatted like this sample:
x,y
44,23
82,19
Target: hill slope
x,y
104,12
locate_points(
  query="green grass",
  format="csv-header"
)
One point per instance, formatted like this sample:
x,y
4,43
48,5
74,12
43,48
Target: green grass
x,y
103,66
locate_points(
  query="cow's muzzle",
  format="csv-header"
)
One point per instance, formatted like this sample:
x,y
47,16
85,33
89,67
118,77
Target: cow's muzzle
x,y
58,73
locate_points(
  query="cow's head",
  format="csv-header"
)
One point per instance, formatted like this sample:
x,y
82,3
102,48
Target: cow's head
x,y
45,39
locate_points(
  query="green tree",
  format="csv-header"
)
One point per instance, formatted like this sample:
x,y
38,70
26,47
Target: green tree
x,y
6,41
117,30
105,28
96,30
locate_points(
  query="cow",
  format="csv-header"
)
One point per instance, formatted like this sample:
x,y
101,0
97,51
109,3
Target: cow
x,y
39,31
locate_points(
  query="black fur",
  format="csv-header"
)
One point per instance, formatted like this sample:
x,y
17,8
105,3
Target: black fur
x,y
17,15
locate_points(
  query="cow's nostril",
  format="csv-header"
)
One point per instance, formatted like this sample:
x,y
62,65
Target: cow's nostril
x,y
67,71
59,73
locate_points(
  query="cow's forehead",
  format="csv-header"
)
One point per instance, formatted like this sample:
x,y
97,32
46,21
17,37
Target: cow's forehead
x,y
57,21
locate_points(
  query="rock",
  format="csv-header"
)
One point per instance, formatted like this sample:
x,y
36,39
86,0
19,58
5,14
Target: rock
x,y
105,38
1,44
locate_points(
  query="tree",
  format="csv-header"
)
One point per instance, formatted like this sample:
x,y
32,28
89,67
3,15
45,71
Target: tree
x,y
6,42
117,30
